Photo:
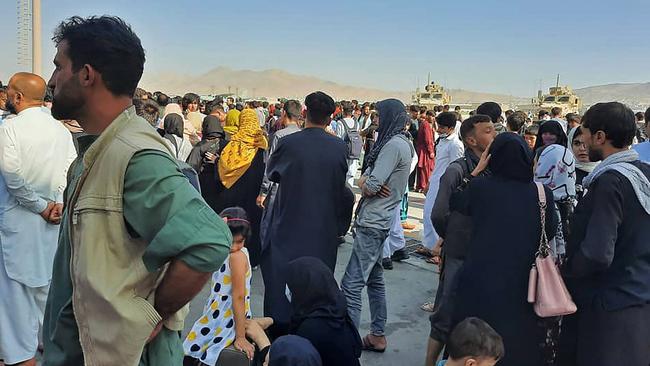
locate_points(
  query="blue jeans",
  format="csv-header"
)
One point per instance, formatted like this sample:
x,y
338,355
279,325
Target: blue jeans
x,y
364,269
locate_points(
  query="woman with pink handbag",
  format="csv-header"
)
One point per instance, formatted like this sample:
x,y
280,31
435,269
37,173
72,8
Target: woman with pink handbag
x,y
493,284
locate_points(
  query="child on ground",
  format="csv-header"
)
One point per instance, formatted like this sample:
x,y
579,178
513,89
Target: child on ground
x,y
473,343
223,322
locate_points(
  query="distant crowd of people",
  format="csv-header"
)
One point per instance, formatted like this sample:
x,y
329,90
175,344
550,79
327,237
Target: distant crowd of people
x,y
145,199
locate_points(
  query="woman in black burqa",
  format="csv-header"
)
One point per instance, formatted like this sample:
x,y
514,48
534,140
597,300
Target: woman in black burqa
x,y
493,282
319,312
213,140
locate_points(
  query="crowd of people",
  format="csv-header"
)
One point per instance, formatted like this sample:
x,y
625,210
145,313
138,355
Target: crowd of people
x,y
147,198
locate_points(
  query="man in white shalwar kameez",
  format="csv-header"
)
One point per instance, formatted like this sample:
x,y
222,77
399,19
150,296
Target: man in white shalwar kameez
x,y
449,147
35,153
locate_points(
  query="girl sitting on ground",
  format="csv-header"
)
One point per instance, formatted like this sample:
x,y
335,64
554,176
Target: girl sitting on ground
x,y
223,322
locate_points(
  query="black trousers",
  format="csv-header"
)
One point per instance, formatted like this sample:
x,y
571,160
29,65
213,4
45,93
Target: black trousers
x,y
597,337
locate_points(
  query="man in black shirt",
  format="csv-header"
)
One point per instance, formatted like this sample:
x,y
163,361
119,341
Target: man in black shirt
x,y
608,268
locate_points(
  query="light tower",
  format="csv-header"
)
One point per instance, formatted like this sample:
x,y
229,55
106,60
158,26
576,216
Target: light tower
x,y
29,34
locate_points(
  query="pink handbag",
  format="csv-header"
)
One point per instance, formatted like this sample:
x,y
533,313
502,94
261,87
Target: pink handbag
x,y
546,289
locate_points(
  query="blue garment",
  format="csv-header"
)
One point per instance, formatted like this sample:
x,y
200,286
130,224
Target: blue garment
x,y
644,151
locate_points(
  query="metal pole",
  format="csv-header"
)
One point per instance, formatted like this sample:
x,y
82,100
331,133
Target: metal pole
x,y
36,37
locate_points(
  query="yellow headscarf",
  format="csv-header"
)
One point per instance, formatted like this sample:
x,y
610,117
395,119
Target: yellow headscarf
x,y
232,122
238,155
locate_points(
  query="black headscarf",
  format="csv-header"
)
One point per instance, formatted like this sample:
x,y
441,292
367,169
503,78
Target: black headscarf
x,y
511,158
173,126
212,128
392,121
213,140
554,127
314,292
292,350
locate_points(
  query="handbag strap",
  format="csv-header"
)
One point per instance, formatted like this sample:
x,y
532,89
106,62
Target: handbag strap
x,y
544,247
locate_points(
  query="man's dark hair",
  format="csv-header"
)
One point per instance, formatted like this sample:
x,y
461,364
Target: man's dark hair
x,y
467,127
213,106
347,108
491,109
572,117
447,119
475,338
431,113
613,118
293,109
147,109
508,113
190,98
457,108
532,130
414,108
556,111
162,99
177,100
423,109
647,114
640,116
541,114
516,120
320,107
445,107
239,107
109,45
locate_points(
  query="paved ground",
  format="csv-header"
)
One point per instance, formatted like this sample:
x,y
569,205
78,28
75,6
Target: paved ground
x,y
409,285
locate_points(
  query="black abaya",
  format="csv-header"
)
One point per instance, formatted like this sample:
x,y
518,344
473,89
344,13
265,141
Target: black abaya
x,y
493,282
244,194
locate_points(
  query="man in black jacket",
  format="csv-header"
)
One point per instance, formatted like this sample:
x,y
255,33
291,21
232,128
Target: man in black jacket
x,y
608,268
455,228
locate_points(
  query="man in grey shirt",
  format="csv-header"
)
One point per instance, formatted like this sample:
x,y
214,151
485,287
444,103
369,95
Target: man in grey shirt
x,y
382,185
268,189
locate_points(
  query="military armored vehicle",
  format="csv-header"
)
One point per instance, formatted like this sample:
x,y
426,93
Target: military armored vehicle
x,y
434,94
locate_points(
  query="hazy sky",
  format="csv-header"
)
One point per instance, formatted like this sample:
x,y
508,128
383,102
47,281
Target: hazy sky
x,y
504,46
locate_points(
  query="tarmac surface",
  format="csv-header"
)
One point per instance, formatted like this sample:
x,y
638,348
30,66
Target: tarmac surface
x,y
410,284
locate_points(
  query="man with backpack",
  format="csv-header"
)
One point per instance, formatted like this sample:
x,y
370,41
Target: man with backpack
x,y
348,130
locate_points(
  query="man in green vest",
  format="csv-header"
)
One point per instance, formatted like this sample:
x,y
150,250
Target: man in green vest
x,y
137,241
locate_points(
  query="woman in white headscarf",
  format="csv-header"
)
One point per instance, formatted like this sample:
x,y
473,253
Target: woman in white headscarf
x,y
555,168
583,165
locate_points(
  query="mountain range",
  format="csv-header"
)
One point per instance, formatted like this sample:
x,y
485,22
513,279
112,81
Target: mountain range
x,y
276,83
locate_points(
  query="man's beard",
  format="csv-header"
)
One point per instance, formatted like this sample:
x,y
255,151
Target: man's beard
x,y
65,104
595,155
10,107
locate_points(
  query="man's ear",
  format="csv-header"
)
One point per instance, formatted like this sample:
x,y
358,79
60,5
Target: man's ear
x,y
87,75
471,362
600,138
471,141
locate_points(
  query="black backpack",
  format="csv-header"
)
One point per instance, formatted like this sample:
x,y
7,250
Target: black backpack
x,y
353,139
